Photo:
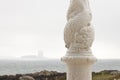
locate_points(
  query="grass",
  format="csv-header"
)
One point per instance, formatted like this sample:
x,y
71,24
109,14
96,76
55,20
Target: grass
x,y
105,76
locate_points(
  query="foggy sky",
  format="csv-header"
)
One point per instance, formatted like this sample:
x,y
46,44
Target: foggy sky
x,y
27,26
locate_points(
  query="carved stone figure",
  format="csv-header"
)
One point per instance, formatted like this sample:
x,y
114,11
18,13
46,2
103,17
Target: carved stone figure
x,y
78,32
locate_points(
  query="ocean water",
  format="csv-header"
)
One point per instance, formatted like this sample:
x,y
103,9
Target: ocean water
x,y
29,66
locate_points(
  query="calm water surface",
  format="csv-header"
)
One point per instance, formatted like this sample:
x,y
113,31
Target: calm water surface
x,y
28,66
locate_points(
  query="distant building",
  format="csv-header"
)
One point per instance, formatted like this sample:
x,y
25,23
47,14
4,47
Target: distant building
x,y
39,56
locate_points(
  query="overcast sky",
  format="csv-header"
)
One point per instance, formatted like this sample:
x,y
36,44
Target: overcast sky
x,y
27,26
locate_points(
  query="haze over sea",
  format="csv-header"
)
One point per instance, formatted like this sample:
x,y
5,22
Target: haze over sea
x,y
29,66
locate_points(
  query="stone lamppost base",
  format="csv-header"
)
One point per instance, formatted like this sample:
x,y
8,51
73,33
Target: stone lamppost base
x,y
79,67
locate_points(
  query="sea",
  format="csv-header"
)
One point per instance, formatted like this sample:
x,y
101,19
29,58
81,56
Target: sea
x,y
11,67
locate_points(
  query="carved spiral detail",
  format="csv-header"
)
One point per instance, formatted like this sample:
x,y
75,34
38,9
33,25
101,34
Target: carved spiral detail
x,y
78,32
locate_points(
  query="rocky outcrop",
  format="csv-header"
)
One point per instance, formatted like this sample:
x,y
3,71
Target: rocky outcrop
x,y
43,75
26,78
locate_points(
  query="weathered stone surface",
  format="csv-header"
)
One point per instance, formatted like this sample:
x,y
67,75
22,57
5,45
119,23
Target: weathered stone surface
x,y
43,75
78,37
26,78
78,32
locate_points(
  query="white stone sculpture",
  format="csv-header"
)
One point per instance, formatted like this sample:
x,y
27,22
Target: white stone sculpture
x,y
78,37
79,33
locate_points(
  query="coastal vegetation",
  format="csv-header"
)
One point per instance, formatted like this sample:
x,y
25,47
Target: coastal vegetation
x,y
106,75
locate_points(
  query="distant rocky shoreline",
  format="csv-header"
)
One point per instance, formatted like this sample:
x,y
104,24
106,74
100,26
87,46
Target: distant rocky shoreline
x,y
43,75
54,75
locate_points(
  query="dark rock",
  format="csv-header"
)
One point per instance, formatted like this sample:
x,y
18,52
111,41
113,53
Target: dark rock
x,y
43,75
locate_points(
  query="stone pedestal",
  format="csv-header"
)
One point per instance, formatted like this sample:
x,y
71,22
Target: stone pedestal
x,y
79,67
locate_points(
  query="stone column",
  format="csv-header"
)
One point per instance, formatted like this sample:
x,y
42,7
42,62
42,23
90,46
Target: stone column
x,y
78,37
